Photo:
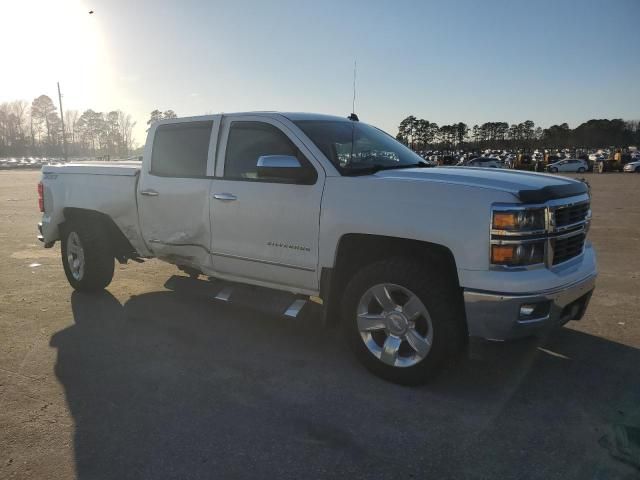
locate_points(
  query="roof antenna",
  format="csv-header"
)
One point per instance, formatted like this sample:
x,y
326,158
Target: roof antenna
x,y
353,115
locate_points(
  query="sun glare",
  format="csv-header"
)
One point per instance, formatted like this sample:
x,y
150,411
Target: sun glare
x,y
50,41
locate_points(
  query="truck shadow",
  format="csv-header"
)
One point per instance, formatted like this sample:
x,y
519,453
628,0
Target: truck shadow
x,y
165,387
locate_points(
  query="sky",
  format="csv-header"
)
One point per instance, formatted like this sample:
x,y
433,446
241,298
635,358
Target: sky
x,y
444,61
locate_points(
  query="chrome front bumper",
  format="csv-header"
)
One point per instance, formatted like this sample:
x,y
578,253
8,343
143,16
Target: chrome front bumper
x,y
502,316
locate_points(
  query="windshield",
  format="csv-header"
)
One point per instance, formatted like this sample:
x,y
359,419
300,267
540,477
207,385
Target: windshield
x,y
355,147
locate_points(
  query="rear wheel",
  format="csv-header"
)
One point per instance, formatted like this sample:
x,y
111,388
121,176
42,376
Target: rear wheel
x,y
87,260
553,170
401,320
581,170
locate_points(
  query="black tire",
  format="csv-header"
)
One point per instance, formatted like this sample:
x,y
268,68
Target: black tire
x,y
98,258
581,170
440,297
553,170
637,170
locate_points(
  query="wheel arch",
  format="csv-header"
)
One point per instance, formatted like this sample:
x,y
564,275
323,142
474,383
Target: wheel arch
x,y
355,250
118,242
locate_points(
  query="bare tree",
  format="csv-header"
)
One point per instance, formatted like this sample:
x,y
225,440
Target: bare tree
x,y
45,115
126,125
70,120
20,108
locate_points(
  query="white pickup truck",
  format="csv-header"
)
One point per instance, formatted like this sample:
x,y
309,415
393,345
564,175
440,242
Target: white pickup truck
x,y
409,260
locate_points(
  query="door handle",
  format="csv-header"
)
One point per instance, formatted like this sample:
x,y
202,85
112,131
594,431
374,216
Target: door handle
x,y
225,197
149,193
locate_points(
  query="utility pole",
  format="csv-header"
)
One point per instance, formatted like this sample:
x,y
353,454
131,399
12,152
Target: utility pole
x,y
64,136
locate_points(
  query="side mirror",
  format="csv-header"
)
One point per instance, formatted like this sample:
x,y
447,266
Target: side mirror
x,y
283,167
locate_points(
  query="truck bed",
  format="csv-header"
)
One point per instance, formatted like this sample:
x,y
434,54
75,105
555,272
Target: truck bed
x,y
104,187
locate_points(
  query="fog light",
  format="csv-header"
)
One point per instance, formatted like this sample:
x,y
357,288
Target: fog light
x,y
534,311
527,310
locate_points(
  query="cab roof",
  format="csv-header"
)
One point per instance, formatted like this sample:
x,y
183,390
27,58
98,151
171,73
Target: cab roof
x,y
293,116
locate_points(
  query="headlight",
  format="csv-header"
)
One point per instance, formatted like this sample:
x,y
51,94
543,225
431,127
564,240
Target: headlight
x,y
518,255
518,236
519,220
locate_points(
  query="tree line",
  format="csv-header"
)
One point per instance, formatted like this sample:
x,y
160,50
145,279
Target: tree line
x,y
420,134
35,129
157,115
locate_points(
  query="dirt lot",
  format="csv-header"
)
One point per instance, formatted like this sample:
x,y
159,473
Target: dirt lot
x,y
139,382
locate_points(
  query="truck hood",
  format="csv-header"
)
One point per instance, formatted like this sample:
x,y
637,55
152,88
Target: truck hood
x,y
529,187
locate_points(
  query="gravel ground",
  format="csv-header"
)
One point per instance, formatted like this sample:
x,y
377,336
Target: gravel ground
x,y
140,382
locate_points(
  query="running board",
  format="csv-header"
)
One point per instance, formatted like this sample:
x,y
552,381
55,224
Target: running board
x,y
224,295
295,307
265,300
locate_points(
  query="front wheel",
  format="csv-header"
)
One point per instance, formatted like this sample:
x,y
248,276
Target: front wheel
x,y
401,320
553,170
581,170
87,260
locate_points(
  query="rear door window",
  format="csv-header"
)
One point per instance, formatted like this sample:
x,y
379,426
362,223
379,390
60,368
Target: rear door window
x,y
181,149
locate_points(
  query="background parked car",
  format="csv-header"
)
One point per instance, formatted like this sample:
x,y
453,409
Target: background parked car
x,y
632,167
570,165
487,162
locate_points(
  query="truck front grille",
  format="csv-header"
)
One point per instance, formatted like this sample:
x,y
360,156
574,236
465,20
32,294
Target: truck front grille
x,y
566,248
572,222
571,214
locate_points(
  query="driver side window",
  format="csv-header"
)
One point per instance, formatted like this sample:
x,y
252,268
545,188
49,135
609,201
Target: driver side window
x,y
248,141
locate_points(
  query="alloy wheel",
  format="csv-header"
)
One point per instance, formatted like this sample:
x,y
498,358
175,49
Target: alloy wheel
x,y
75,256
394,325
